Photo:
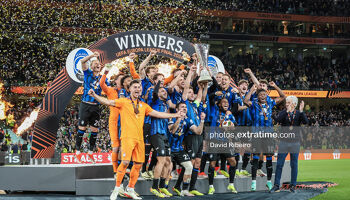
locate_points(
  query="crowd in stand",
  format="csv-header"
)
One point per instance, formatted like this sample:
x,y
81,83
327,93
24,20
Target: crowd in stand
x,y
335,119
336,115
309,7
35,59
277,28
315,72
40,16
68,129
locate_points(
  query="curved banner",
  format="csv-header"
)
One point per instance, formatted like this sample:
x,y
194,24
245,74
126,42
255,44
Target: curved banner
x,y
62,89
142,42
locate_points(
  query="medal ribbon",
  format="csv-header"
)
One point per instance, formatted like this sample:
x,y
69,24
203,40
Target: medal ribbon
x,y
96,82
292,118
136,109
263,111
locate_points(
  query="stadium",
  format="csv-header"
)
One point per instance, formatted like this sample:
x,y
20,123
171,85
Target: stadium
x,y
203,99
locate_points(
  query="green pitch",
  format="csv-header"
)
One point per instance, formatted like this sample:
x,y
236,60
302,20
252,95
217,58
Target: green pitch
x,y
336,171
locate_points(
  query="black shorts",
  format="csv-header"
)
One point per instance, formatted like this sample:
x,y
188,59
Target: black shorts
x,y
265,146
146,133
89,115
212,156
228,155
180,157
215,156
194,145
160,144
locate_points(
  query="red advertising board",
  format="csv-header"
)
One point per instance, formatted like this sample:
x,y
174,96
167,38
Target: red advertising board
x,y
68,158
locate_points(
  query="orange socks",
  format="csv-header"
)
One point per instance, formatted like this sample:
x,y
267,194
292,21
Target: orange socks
x,y
134,175
120,173
115,161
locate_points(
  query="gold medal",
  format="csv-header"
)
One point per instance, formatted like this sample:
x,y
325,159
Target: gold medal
x,y
266,118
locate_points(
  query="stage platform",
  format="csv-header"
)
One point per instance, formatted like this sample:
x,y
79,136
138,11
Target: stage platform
x,y
97,179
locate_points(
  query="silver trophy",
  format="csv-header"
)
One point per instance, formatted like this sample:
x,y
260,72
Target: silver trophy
x,y
202,51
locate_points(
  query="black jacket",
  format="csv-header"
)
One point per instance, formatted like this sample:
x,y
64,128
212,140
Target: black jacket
x,y
291,120
284,120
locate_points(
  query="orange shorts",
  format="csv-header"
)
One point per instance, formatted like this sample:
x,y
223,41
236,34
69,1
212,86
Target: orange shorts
x,y
132,149
113,133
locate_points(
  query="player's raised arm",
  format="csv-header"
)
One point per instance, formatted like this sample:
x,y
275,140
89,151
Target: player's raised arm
x,y
252,76
280,92
198,129
304,119
188,82
205,91
155,92
171,104
200,93
84,65
103,84
246,100
133,72
175,126
240,108
102,100
171,77
173,83
145,63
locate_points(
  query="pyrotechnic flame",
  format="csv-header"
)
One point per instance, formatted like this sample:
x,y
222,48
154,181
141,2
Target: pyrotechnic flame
x,y
28,122
4,105
166,68
117,66
2,110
